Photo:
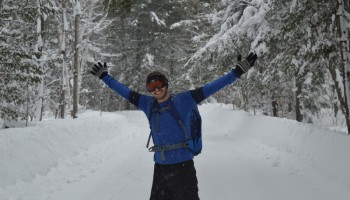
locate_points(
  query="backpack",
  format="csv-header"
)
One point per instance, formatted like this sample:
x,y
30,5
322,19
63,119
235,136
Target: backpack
x,y
193,139
196,132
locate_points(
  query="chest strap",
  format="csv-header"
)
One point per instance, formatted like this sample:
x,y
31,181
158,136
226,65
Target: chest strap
x,y
167,147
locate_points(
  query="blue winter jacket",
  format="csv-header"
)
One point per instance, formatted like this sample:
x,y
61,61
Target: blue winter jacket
x,y
168,131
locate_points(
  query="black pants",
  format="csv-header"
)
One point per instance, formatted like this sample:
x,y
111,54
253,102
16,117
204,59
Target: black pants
x,y
175,182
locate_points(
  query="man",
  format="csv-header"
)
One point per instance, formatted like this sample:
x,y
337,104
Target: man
x,y
174,172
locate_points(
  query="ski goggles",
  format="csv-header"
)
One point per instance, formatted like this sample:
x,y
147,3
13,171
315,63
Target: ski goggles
x,y
155,84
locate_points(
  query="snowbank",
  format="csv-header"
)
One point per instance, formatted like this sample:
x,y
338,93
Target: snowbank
x,y
304,149
93,157
28,152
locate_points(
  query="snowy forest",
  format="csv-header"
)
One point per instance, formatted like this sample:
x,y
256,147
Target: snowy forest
x,y
47,48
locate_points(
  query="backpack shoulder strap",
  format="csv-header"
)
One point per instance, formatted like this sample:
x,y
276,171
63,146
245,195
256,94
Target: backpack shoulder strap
x,y
155,109
154,105
175,114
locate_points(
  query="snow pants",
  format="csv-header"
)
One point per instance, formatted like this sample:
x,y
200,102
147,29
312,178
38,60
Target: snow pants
x,y
175,182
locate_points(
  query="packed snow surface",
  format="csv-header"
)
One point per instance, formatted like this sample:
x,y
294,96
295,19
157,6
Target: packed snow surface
x,y
244,157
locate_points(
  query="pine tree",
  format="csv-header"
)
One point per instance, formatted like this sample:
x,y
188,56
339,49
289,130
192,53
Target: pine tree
x,y
19,67
240,28
304,42
148,36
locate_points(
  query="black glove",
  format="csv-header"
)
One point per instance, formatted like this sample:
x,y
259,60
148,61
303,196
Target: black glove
x,y
243,66
99,70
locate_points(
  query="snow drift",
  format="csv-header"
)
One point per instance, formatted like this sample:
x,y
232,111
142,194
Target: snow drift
x,y
244,156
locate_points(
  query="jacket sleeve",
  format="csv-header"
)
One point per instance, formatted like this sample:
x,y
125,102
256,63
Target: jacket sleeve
x,y
211,88
130,95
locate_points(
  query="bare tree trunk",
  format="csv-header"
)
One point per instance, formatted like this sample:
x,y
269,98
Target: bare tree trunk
x,y
245,101
339,91
76,60
343,36
335,104
39,104
27,109
298,107
62,104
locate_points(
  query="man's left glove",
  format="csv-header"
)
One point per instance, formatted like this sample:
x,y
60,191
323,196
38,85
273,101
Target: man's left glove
x,y
243,66
99,70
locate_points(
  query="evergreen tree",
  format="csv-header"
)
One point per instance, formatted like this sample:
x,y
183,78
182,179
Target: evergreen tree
x,y
299,47
148,36
19,66
240,28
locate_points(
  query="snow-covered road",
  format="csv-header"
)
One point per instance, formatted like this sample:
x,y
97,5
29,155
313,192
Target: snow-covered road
x,y
244,157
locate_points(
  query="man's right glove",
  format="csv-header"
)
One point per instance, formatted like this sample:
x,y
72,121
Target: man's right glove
x,y
99,70
243,66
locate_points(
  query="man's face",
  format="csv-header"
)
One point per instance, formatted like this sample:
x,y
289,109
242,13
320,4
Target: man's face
x,y
160,94
158,90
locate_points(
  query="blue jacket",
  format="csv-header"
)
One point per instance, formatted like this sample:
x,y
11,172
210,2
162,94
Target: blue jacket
x,y
168,131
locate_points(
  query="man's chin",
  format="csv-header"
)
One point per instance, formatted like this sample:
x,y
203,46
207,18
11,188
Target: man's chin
x,y
161,96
